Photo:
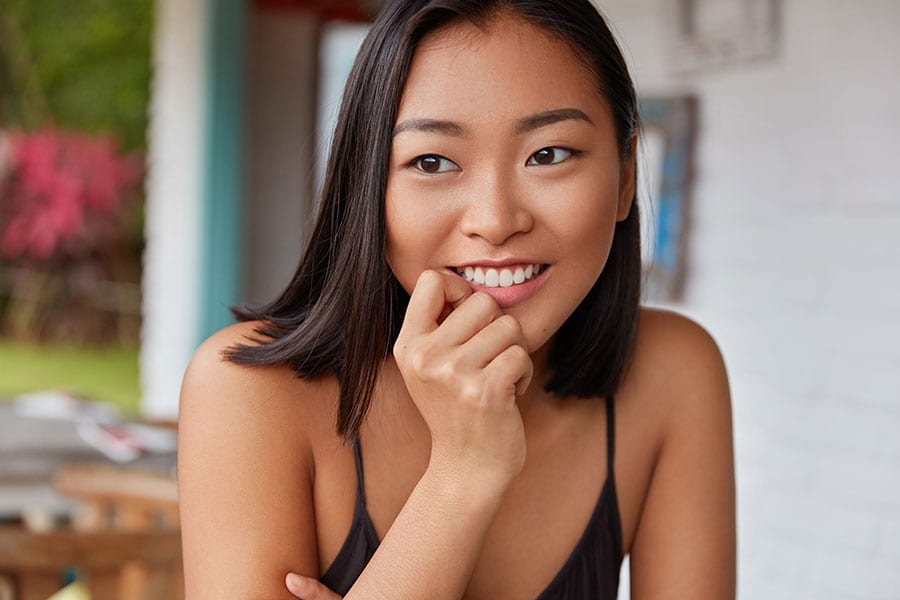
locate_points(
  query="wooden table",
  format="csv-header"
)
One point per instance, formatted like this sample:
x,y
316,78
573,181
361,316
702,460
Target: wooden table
x,y
32,449
37,563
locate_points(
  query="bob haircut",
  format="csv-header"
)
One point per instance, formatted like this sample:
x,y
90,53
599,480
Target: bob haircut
x,y
342,310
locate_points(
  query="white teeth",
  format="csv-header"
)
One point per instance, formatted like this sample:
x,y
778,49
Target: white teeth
x,y
500,277
491,278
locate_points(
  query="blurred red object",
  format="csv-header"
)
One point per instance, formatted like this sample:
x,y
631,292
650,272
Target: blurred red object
x,y
348,10
62,193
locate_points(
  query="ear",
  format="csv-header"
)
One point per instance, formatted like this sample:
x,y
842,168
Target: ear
x,y
627,183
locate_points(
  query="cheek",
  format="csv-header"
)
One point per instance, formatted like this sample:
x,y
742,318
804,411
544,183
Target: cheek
x,y
586,216
396,242
412,237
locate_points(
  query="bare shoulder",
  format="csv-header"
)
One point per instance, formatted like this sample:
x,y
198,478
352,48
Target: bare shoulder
x,y
209,363
678,362
675,380
215,385
246,470
674,343
679,389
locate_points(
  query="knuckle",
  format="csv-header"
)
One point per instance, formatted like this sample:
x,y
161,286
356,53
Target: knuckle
x,y
444,371
453,366
417,362
399,349
427,362
470,391
415,357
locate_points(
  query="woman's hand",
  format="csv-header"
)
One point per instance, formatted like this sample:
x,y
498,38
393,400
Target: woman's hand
x,y
307,588
464,374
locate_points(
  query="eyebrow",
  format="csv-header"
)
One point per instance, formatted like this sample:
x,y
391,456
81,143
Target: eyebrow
x,y
526,124
549,118
431,126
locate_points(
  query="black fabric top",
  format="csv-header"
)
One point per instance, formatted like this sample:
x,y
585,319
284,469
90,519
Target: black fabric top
x,y
591,571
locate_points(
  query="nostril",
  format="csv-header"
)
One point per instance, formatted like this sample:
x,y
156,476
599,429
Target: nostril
x,y
496,221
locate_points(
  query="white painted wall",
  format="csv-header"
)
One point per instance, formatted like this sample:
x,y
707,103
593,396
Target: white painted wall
x,y
794,265
174,192
339,47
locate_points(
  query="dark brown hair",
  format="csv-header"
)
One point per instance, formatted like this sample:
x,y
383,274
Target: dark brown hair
x,y
342,310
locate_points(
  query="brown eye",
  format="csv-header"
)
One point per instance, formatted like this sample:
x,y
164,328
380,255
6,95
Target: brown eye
x,y
432,164
550,156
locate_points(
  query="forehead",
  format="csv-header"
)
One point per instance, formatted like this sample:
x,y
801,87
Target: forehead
x,y
504,69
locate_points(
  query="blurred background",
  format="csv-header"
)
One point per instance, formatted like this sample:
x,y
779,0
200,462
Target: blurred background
x,y
74,91
159,162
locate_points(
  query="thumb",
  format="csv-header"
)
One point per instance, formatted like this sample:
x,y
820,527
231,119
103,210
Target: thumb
x,y
307,588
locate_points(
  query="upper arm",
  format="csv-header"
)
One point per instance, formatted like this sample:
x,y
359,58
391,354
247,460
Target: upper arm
x,y
245,478
684,546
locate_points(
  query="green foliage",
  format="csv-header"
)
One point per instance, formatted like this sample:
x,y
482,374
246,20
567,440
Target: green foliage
x,y
78,64
108,375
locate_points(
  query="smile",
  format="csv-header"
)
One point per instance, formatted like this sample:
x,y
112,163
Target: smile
x,y
502,277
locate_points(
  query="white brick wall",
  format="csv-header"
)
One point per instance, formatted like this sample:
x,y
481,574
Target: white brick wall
x,y
794,265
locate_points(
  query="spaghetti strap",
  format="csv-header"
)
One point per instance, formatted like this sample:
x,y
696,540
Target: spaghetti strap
x,y
610,433
360,488
590,571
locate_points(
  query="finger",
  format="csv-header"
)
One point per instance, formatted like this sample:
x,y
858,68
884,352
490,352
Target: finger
x,y
471,316
489,341
511,367
433,292
525,380
308,588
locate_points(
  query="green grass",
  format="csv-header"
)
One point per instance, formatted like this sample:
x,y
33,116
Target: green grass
x,y
104,374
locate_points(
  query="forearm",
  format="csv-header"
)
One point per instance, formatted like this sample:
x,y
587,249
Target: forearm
x,y
463,371
431,549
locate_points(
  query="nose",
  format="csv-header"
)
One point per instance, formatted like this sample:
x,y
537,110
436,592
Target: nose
x,y
496,211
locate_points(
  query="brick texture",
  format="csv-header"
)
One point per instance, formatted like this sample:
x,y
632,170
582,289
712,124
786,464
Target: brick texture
x,y
794,265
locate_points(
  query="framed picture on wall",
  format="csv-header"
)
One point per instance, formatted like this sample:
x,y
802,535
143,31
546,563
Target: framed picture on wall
x,y
670,124
713,33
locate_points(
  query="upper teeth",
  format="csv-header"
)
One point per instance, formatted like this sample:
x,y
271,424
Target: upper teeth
x,y
505,277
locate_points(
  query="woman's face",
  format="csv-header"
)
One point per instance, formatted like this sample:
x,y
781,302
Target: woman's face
x,y
505,171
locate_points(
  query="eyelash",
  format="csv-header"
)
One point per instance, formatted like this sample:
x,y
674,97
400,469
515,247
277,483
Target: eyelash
x,y
572,153
416,162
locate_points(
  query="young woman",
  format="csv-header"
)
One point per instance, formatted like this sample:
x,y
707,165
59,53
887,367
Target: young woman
x,y
458,395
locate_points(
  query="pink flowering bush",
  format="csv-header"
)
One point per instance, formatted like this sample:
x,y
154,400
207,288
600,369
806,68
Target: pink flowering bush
x,y
67,242
63,194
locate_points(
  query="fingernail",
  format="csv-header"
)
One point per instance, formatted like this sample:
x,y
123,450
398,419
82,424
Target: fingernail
x,y
297,581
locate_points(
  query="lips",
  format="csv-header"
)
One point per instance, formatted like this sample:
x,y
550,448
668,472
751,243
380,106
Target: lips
x,y
508,284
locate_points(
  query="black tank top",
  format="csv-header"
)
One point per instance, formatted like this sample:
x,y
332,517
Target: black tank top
x,y
591,571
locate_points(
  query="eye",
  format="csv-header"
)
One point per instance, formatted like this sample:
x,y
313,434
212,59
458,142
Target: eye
x,y
550,156
432,164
